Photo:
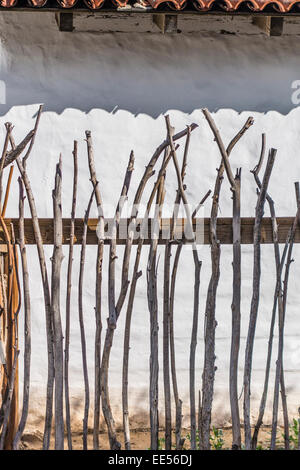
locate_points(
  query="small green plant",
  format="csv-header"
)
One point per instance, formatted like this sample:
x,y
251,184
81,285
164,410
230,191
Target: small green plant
x,y
294,433
216,439
188,438
161,443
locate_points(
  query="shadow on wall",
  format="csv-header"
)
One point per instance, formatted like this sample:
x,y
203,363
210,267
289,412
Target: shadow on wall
x,y
142,73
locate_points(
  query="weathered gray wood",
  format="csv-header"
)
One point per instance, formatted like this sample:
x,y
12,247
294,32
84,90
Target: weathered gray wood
x,y
236,313
279,266
286,422
279,379
235,183
135,276
27,322
178,403
259,211
68,298
113,314
32,140
168,323
3,157
153,306
6,405
82,329
17,150
210,320
197,263
166,348
57,258
279,375
47,299
154,364
149,171
98,288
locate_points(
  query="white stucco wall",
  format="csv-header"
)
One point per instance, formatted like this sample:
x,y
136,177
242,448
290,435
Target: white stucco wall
x,y
119,86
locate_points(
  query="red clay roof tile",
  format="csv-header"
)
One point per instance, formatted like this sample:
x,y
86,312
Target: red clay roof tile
x,y
67,3
282,6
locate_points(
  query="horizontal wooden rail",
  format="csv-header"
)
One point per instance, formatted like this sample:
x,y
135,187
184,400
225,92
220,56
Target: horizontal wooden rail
x,y
224,230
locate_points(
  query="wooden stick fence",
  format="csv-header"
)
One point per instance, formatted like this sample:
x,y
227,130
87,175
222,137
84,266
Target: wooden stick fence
x,y
213,231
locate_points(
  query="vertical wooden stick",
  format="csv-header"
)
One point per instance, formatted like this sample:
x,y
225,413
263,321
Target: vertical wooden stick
x,y
210,320
135,276
166,338
279,376
57,258
259,211
3,157
236,312
197,264
11,170
47,300
27,321
98,290
278,372
113,314
178,402
153,310
81,325
8,401
168,334
279,266
133,218
68,299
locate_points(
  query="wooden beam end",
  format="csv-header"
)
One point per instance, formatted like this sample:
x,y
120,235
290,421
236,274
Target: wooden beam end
x,y
166,23
64,22
270,25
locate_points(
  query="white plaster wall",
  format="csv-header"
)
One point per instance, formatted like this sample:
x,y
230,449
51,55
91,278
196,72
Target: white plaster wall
x,y
119,86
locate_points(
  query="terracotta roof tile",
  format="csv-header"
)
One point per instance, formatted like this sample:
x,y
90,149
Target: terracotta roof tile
x,y
67,3
282,6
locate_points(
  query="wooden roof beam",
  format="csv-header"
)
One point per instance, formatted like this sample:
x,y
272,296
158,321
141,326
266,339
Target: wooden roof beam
x,y
64,21
270,25
166,23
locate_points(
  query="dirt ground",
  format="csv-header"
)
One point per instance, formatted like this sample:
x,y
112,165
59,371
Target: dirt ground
x,y
140,440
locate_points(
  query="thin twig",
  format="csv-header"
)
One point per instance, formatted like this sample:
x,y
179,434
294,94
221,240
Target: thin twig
x,y
198,265
68,298
149,171
210,320
135,276
57,258
259,211
27,321
46,291
113,314
8,401
98,289
279,266
81,325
